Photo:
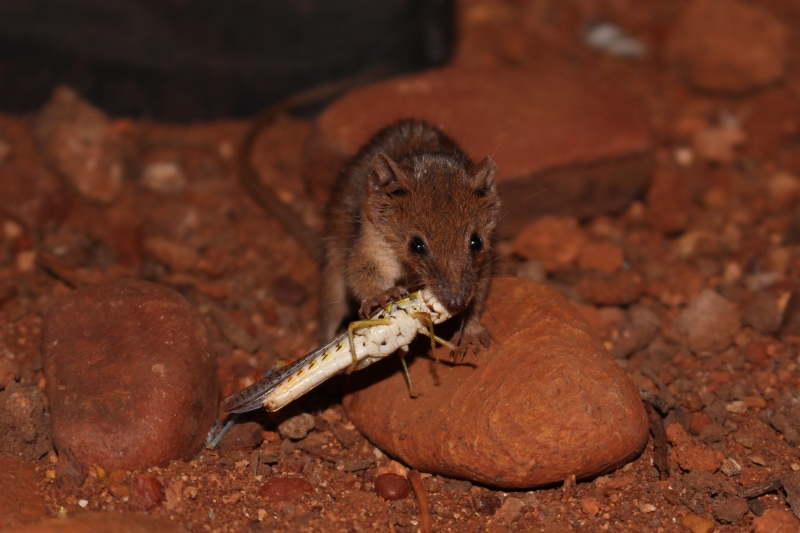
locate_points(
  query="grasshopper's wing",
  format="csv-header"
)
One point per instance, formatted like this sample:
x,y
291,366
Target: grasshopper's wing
x,y
252,397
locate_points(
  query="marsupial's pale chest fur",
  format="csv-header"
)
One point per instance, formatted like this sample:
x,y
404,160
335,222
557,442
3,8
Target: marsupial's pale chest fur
x,y
410,210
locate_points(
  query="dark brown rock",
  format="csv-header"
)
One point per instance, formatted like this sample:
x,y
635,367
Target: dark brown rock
x,y
392,486
763,313
102,523
728,45
544,403
24,426
284,489
564,142
131,378
21,501
296,427
245,436
730,510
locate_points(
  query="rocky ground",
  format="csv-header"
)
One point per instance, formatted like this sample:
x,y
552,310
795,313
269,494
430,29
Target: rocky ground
x,y
650,177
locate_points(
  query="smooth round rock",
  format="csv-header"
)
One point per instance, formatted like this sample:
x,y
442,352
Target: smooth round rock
x,y
131,377
544,403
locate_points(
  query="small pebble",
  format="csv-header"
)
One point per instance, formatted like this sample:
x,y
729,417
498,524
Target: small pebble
x,y
147,493
83,503
730,510
164,177
757,507
486,503
647,507
284,489
392,487
738,407
730,467
510,510
745,439
297,427
245,436
590,506
757,460
696,524
709,323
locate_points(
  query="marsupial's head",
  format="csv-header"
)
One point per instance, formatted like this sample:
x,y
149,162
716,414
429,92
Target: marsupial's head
x,y
437,211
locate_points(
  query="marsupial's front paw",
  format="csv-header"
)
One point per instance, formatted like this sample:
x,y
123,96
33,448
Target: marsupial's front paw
x,y
380,301
471,336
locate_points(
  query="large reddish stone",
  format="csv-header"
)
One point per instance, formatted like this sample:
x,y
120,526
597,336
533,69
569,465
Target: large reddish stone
x,y
564,143
544,403
728,45
21,501
102,523
131,377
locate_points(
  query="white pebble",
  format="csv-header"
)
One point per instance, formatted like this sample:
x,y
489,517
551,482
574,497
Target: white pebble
x,y
83,503
164,177
738,407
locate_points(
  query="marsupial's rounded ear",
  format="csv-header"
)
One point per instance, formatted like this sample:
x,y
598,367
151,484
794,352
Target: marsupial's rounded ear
x,y
386,178
482,177
386,181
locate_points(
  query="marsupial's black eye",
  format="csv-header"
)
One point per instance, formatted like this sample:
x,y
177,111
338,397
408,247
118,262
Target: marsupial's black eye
x,y
417,246
475,243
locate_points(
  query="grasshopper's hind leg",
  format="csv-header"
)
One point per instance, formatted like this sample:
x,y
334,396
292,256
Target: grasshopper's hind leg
x,y
407,375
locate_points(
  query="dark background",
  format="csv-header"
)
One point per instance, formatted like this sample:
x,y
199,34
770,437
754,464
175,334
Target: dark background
x,y
203,59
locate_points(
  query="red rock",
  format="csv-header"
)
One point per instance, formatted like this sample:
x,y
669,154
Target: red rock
x,y
24,426
603,256
102,523
728,45
590,506
553,241
564,142
776,521
21,501
392,486
131,377
599,288
284,489
709,323
690,455
147,493
698,422
544,403
82,144
668,202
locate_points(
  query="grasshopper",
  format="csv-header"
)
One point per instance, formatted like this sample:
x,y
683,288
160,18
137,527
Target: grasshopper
x,y
364,343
